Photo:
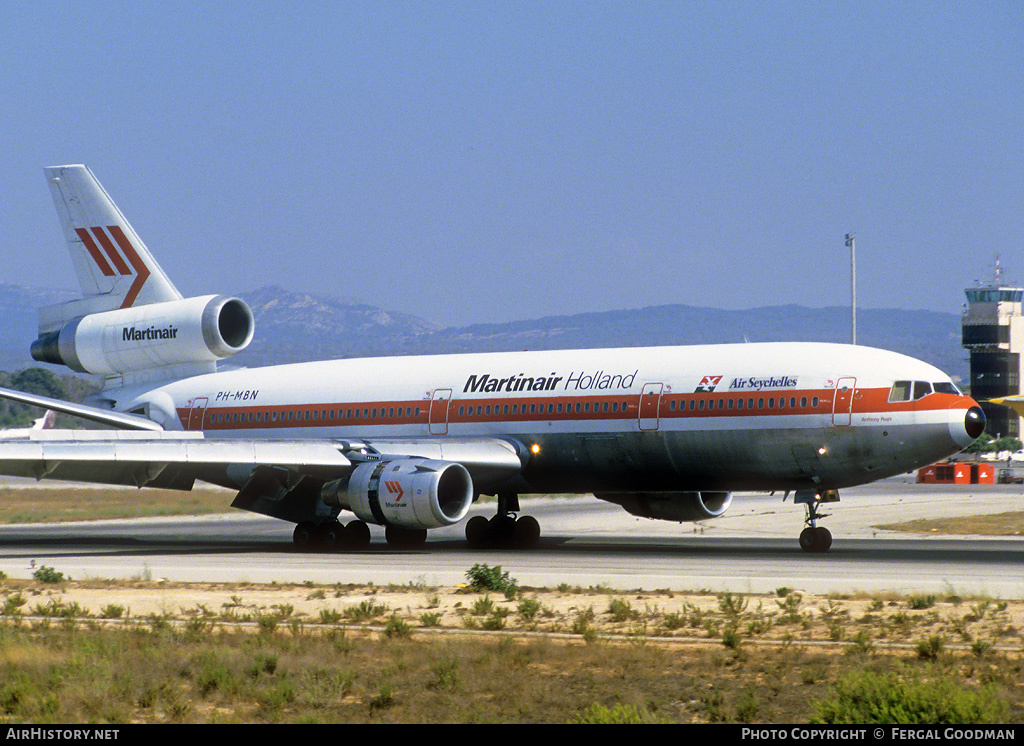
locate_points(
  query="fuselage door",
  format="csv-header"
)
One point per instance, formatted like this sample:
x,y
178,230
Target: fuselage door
x,y
842,402
197,413
439,411
650,399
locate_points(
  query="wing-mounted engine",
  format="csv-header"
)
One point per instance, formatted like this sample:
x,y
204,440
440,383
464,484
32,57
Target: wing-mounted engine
x,y
672,506
406,493
192,332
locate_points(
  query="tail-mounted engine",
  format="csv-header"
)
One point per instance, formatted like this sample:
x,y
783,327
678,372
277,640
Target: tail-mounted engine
x,y
188,331
672,506
408,493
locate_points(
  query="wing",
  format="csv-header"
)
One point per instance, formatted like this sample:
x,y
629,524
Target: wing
x,y
295,480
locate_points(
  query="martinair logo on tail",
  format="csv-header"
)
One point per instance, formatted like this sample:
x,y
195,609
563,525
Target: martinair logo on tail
x,y
707,384
113,262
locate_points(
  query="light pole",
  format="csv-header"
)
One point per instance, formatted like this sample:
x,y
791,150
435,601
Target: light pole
x,y
853,289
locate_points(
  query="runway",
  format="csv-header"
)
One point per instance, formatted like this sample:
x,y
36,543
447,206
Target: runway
x,y
584,542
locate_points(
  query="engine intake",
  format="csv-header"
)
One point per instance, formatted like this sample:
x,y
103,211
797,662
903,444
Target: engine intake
x,y
672,506
191,330
408,493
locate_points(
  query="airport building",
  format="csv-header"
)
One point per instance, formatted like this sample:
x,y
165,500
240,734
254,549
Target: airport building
x,y
993,333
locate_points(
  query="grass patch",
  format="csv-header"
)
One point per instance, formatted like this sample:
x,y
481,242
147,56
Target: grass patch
x,y
996,524
58,504
345,654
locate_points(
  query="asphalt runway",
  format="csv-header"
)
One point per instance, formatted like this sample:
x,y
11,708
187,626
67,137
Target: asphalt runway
x,y
584,542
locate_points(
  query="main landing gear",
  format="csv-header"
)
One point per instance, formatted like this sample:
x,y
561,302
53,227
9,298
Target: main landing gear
x,y
505,530
331,536
815,538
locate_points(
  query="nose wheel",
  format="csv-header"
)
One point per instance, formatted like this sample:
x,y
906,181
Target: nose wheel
x,y
815,538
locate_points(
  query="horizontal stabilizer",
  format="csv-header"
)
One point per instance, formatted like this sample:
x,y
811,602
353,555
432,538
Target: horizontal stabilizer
x,y
93,414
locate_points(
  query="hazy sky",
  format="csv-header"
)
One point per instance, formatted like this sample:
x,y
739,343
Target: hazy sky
x,y
493,161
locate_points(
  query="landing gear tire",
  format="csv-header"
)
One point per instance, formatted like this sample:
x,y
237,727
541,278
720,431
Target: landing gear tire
x,y
815,539
502,532
304,536
476,532
357,535
329,536
527,532
405,538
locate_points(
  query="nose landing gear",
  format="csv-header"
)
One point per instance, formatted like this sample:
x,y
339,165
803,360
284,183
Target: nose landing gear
x,y
815,538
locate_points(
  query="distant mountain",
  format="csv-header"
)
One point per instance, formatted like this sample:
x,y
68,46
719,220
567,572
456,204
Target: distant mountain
x,y
293,327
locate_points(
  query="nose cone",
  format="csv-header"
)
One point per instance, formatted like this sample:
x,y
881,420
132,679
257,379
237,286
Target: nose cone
x,y
967,430
974,422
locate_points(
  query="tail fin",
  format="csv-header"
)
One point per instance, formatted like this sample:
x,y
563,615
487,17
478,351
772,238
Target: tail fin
x,y
114,267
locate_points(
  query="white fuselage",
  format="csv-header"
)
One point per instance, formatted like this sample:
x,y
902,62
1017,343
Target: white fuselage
x,y
717,417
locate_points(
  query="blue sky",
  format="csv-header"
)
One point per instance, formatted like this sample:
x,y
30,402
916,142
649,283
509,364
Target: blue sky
x,y
495,161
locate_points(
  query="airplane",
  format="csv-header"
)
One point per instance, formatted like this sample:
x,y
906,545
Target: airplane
x,y
409,443
46,422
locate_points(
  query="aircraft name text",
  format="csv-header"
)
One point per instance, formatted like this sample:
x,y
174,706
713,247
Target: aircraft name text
x,y
582,381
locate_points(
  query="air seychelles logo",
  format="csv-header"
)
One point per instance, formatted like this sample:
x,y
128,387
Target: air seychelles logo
x,y
707,384
756,384
582,381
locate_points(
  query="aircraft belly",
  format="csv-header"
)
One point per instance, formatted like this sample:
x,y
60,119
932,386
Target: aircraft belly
x,y
739,459
666,460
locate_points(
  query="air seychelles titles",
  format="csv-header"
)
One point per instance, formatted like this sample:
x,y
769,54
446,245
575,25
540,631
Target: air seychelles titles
x,y
583,381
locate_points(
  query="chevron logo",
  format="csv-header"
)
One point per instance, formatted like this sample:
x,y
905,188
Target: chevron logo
x,y
395,488
103,244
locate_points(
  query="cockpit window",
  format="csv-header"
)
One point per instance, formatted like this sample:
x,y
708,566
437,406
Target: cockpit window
x,y
900,391
910,390
946,387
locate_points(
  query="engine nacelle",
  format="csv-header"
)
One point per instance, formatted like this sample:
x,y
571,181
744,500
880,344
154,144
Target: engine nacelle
x,y
408,493
191,330
672,506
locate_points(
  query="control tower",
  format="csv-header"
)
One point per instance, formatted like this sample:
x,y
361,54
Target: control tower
x,y
993,332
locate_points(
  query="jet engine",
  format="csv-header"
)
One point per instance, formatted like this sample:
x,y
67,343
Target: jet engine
x,y
407,493
671,506
191,330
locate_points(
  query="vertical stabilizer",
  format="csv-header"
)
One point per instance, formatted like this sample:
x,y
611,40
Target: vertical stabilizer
x,y
114,267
